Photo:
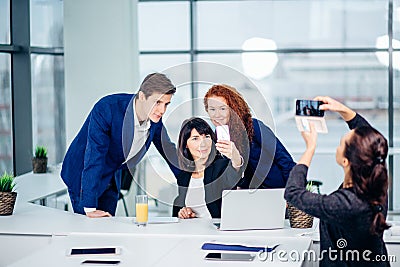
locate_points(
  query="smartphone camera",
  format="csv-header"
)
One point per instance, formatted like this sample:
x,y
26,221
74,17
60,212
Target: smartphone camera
x,y
309,108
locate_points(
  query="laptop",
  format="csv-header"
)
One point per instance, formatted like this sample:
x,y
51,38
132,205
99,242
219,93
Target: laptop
x,y
252,209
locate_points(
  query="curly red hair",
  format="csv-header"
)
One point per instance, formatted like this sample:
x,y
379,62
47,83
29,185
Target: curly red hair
x,y
238,105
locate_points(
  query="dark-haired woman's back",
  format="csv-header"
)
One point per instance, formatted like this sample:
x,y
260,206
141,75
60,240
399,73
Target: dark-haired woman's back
x,y
344,223
353,218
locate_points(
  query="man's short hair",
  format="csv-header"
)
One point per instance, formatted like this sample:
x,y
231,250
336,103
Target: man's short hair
x,y
157,83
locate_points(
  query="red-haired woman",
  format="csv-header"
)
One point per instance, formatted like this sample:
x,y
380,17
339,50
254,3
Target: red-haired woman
x,y
268,163
352,218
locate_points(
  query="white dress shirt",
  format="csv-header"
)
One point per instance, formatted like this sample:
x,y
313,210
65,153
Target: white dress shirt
x,y
141,132
195,198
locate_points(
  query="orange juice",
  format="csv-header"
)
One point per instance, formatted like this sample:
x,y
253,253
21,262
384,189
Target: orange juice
x,y
142,212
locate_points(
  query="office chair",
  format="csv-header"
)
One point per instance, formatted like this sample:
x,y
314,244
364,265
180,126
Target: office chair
x,y
126,182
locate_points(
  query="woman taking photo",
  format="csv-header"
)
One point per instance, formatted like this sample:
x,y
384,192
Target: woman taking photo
x,y
267,161
353,217
205,173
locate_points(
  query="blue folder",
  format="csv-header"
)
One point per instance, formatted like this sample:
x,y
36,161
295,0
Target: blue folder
x,y
216,246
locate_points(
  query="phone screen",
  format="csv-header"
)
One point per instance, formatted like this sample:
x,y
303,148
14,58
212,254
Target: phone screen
x,y
309,108
230,256
93,251
223,132
101,262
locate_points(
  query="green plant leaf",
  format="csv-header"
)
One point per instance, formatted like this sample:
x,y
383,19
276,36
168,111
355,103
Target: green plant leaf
x,y
40,152
7,183
310,187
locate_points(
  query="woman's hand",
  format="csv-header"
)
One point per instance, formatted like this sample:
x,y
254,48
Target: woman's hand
x,y
334,105
229,150
310,138
186,213
98,214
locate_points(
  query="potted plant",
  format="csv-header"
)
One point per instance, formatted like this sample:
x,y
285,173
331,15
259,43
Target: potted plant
x,y
39,161
298,218
7,194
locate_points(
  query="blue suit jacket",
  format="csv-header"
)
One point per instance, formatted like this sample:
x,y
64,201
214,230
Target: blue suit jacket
x,y
269,162
102,145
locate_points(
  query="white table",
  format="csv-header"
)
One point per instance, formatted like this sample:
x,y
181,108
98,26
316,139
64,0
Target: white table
x,y
37,187
31,219
37,235
154,251
35,230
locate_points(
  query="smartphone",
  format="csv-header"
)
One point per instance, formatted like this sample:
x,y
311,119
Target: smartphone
x,y
223,132
101,262
309,108
230,256
308,111
94,251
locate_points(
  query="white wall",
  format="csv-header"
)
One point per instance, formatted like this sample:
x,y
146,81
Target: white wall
x,y
101,54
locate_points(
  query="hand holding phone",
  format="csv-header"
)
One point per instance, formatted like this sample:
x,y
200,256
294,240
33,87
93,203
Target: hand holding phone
x,y
309,111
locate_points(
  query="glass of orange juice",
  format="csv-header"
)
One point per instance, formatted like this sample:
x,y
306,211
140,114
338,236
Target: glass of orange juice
x,y
142,210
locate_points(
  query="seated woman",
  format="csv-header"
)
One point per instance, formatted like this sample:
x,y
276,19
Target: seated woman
x,y
205,173
267,162
355,214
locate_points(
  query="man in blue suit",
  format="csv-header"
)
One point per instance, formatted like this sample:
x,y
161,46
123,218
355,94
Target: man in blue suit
x,y
116,134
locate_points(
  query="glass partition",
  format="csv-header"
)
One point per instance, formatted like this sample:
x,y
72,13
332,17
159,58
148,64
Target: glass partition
x,y
48,116
47,23
4,21
324,48
6,144
291,24
164,26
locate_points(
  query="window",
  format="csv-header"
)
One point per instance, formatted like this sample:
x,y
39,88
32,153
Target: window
x,y
396,139
396,20
4,21
6,145
396,108
292,24
47,23
47,72
316,47
163,26
48,105
31,80
6,154
396,184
